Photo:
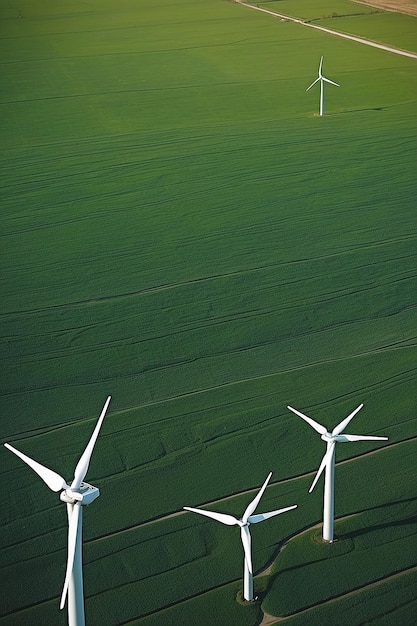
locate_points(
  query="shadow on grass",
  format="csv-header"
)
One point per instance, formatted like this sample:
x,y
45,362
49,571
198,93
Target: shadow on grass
x,y
344,541
392,523
355,111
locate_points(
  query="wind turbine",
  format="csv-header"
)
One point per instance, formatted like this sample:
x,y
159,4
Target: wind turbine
x,y
328,461
322,80
76,496
244,523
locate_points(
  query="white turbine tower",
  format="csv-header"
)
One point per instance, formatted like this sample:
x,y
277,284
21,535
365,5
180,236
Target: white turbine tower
x,y
244,524
328,461
77,495
322,80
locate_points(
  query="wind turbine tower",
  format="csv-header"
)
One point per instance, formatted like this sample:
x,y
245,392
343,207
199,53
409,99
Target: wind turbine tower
x,y
76,496
328,462
244,522
322,80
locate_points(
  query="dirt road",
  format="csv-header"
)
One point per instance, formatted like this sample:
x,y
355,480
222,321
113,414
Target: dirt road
x,y
409,7
366,42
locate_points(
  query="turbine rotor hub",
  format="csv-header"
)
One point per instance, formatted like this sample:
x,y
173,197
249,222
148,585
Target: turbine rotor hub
x,y
86,495
327,437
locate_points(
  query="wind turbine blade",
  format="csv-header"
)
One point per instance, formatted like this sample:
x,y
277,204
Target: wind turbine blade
x,y
252,506
313,83
229,520
254,519
72,544
320,67
51,478
340,427
83,463
330,81
318,427
246,541
322,465
345,438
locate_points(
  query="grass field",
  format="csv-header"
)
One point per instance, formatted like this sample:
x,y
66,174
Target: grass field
x,y
370,22
182,231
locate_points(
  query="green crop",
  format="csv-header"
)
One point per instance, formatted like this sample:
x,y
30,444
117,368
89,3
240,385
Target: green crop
x,y
182,231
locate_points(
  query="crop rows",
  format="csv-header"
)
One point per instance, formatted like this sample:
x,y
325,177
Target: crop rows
x,y
182,231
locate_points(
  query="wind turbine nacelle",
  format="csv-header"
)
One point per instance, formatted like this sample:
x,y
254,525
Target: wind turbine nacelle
x,y
86,495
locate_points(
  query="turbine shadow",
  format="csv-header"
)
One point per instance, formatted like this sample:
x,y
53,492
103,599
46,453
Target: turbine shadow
x,y
386,505
369,529
344,539
355,111
391,523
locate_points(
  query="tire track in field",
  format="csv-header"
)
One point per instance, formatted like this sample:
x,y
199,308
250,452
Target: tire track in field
x,y
129,53
210,278
392,380
203,324
252,490
270,619
366,42
231,383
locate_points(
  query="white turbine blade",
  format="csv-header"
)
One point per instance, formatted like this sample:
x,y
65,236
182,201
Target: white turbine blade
x,y
320,67
330,81
51,478
340,427
322,465
254,519
229,520
83,463
318,427
345,438
72,542
246,541
313,83
252,506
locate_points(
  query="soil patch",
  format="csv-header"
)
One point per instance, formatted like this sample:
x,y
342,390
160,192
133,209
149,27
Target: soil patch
x,y
400,6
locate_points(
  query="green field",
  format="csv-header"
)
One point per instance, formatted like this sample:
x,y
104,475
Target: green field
x,y
393,29
182,231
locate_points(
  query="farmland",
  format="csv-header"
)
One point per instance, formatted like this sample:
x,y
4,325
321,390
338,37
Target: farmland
x,y
182,231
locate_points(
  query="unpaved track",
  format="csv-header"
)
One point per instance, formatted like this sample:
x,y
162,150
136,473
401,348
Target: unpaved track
x,y
366,42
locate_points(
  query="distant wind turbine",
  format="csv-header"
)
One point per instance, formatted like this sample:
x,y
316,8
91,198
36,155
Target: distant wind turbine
x,y
244,524
77,495
328,462
322,80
